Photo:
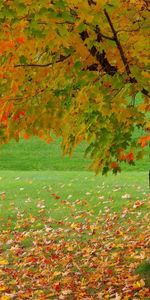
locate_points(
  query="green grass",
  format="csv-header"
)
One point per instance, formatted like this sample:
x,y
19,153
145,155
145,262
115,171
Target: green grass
x,y
23,191
44,197
34,154
144,271
32,170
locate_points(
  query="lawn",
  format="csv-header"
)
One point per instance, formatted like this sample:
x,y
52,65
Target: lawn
x,y
34,154
68,234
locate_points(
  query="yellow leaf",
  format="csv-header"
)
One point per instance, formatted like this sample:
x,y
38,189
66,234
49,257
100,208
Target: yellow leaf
x,y
139,284
2,288
3,262
146,74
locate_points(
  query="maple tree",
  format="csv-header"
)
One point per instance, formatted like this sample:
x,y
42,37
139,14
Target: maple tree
x,y
78,69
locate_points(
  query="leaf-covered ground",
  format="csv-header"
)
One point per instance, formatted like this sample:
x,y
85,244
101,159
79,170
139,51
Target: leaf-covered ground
x,y
85,257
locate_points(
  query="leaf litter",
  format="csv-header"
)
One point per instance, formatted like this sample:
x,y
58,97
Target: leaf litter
x,y
77,257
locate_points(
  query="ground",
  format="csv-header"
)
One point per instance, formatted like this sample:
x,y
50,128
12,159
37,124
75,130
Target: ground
x,y
68,234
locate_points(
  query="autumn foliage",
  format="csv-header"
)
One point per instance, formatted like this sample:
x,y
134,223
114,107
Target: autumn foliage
x,y
78,69
76,259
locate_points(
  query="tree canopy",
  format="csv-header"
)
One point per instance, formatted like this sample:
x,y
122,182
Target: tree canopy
x,y
78,69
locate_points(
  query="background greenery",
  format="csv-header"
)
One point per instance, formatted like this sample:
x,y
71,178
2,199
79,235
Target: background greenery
x,y
34,154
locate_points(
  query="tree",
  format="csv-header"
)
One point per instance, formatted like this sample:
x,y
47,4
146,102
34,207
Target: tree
x,y
78,69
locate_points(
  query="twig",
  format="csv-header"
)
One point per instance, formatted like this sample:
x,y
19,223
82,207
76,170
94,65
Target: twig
x,y
61,59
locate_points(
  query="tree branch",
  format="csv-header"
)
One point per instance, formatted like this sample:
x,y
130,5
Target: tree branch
x,y
124,59
61,59
107,37
91,2
100,56
119,46
147,4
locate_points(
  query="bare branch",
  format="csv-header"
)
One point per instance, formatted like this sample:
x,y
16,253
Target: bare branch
x,y
61,59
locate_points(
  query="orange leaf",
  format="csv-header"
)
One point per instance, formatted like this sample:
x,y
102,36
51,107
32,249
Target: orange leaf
x,y
138,203
122,156
114,165
20,40
26,136
49,140
144,140
130,156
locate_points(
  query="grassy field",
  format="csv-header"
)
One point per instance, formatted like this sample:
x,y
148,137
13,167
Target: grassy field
x,y
23,191
32,170
59,221
34,155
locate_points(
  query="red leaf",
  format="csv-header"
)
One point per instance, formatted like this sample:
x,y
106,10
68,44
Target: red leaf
x,y
20,40
114,165
57,287
54,256
109,272
16,117
130,156
55,196
26,136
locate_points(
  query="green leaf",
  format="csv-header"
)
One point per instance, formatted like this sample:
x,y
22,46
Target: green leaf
x,y
60,4
66,16
21,6
82,27
23,60
43,11
9,13
38,33
62,31
77,65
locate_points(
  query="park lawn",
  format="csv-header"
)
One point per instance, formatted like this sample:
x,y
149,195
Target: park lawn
x,y
37,155
27,191
68,234
72,235
32,171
